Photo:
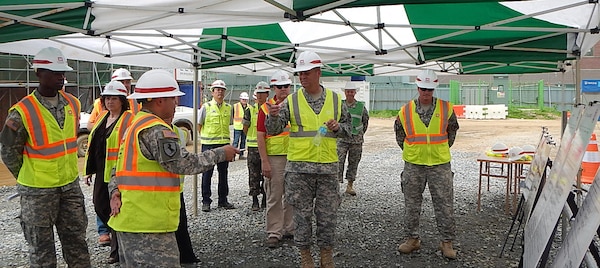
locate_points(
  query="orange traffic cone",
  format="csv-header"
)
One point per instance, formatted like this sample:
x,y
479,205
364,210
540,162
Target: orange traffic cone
x,y
591,161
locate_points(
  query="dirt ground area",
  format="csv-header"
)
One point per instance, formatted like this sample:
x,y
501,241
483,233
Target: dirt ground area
x,y
473,136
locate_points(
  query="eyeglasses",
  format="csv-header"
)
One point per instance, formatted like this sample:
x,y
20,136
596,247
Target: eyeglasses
x,y
282,86
426,89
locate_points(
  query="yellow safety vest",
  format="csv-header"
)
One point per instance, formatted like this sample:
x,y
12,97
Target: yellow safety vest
x,y
112,142
238,115
251,136
149,193
426,145
215,129
50,153
276,144
304,124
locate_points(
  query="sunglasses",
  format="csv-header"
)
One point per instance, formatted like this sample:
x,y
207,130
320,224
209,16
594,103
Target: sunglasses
x,y
282,86
426,89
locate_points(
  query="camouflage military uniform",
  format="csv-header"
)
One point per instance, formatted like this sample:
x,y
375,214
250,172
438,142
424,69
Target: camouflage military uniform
x,y
163,251
439,178
43,208
351,147
306,181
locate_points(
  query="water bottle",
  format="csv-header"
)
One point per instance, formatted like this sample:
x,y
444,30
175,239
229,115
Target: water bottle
x,y
319,136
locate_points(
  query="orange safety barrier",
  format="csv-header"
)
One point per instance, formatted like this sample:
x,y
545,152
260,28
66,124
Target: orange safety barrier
x,y
459,111
591,161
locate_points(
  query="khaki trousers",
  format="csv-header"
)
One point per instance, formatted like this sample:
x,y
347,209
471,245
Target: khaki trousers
x,y
279,213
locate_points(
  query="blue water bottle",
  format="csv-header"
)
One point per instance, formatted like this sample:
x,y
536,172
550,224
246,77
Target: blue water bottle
x,y
319,136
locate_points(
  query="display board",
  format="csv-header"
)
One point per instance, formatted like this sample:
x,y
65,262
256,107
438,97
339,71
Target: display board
x,y
536,171
547,211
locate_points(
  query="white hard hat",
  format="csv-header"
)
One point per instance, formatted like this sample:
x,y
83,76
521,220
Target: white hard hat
x,y
529,149
427,79
254,96
244,96
500,148
114,88
52,59
262,87
156,83
308,60
515,153
121,74
280,78
218,83
350,85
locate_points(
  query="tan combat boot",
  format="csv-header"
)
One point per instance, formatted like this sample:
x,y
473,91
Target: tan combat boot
x,y
327,258
410,245
306,259
447,250
349,189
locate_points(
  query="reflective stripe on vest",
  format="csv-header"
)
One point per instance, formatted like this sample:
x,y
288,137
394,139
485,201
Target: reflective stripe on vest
x,y
215,129
276,144
303,127
50,152
412,137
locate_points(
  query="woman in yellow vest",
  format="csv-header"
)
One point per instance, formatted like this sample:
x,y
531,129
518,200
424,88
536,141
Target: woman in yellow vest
x,y
103,149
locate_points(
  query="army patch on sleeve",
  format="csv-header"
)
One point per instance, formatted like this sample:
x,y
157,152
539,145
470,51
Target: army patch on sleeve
x,y
169,149
11,124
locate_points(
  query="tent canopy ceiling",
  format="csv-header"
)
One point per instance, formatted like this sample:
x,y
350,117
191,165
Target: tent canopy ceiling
x,y
507,37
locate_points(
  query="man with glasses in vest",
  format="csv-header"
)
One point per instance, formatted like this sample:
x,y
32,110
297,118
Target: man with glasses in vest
x,y
425,130
145,191
317,118
39,147
273,157
255,177
351,147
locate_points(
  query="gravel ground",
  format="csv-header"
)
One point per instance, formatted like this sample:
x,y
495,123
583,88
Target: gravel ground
x,y
370,225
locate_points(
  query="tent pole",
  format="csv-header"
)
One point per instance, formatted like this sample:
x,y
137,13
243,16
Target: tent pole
x,y
195,132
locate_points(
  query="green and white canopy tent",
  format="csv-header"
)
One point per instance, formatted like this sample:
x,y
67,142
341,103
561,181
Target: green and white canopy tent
x,y
361,37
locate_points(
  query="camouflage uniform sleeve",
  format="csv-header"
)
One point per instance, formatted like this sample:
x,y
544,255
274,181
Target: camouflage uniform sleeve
x,y
400,134
162,144
452,129
365,119
275,124
13,138
345,124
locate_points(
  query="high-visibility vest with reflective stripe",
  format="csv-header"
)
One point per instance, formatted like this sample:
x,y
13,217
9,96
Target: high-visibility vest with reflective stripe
x,y
251,136
356,114
276,144
182,134
50,153
149,193
238,115
112,142
134,106
304,124
426,145
215,129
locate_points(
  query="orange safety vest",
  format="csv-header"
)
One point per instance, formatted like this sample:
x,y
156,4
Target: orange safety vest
x,y
149,193
50,153
238,115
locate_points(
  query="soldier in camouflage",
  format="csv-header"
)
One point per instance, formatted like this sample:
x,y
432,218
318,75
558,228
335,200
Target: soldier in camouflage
x,y
140,214
50,195
351,146
311,184
426,154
